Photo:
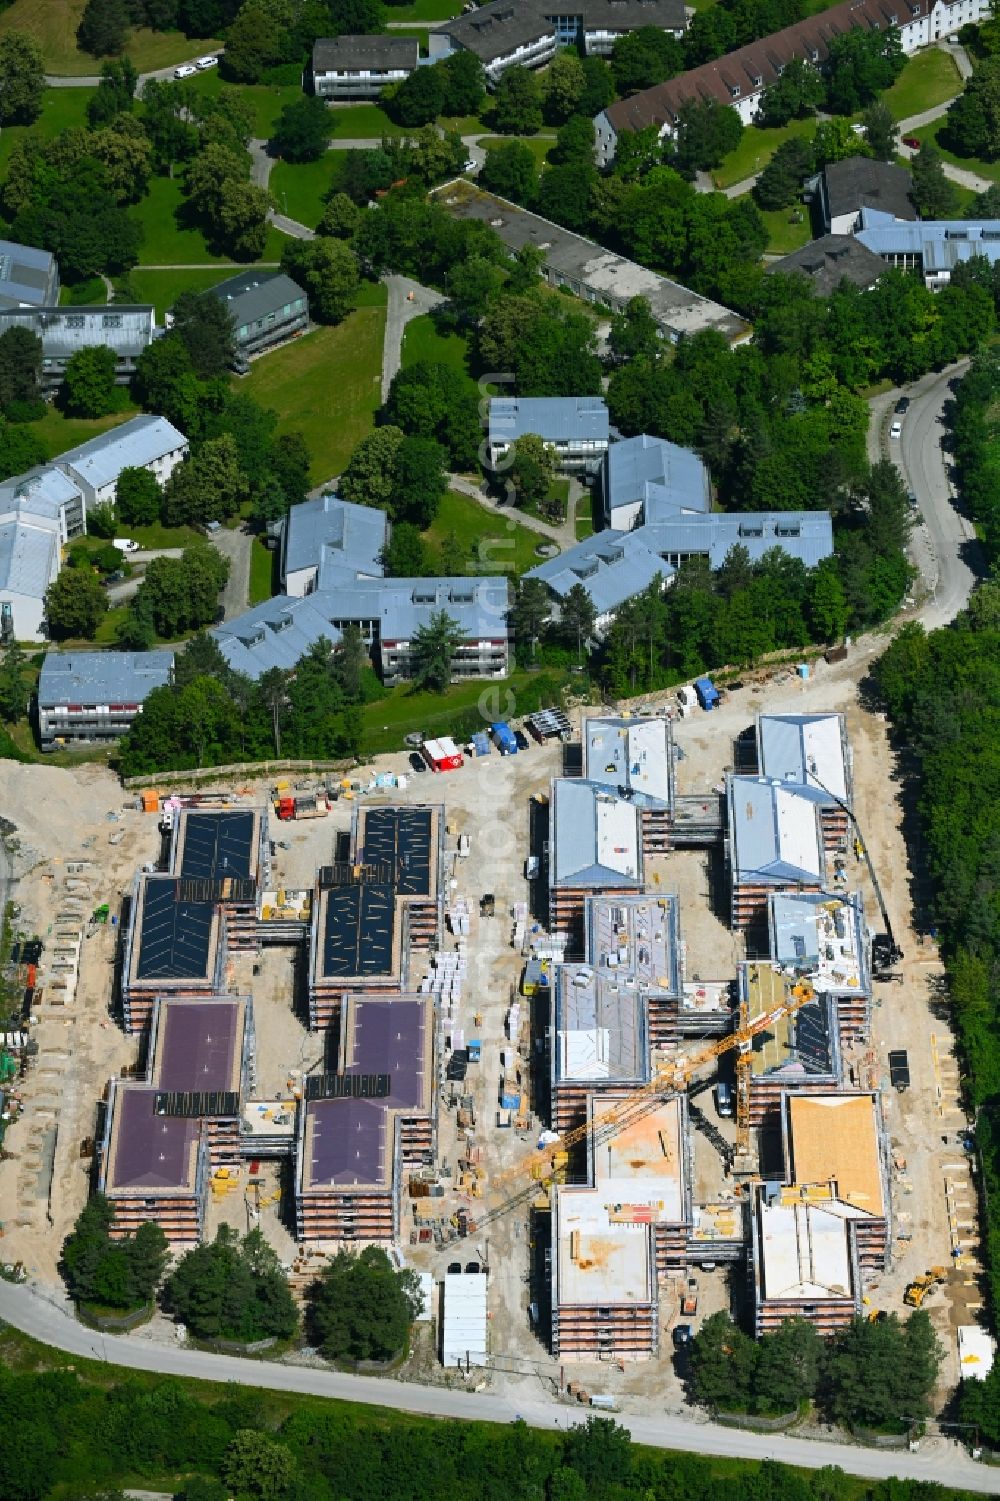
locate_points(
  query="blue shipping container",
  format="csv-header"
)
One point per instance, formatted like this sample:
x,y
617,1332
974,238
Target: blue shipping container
x,y
504,737
481,743
708,694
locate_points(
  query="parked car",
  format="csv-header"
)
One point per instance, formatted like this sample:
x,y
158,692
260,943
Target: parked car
x,y
913,142
911,499
471,165
724,1099
125,544
417,763
185,71
202,63
682,1336
896,430
902,405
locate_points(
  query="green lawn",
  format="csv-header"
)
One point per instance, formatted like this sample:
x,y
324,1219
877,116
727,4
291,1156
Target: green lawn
x,y
990,170
53,24
422,341
466,125
61,109
261,572
158,535
584,517
493,543
168,242
162,288
59,433
784,236
756,149
362,122
326,385
301,190
389,719
929,78
268,100
539,145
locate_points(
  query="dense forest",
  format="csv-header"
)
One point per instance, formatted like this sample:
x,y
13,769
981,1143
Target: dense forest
x,y
85,1437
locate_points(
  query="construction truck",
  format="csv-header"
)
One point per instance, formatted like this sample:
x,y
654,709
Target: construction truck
x,y
918,1289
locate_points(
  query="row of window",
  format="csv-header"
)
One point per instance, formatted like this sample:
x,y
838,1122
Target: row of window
x,y
80,320
290,308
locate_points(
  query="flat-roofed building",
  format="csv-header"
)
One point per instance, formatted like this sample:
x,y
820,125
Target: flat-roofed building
x,y
222,856
360,67
355,942
799,1051
201,1061
465,1329
804,1260
826,938
594,845
409,842
612,1239
775,842
635,758
576,428
810,751
96,695
599,1039
174,945
637,936
837,1144
153,1166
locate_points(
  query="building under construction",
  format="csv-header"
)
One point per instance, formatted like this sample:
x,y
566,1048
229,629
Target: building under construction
x,y
634,758
810,751
221,856
775,842
612,1238
595,845
359,1124
801,1050
826,937
162,1137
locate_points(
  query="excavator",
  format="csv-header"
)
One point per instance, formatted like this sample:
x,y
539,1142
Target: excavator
x,y
918,1289
550,1159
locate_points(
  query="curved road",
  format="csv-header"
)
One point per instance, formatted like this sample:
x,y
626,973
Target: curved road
x,y
944,546
937,1459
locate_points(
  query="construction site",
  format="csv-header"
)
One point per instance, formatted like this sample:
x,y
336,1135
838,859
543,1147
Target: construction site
x,y
601,1034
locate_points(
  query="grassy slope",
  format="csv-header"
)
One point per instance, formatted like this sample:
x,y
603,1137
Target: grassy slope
x,y
756,149
990,170
300,190
53,24
327,386
261,572
929,79
61,109
422,341
539,145
493,543
168,242
784,236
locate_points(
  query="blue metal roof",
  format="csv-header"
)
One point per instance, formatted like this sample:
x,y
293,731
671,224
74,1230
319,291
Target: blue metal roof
x,y
663,476
612,567
774,832
941,244
29,558
133,444
557,419
595,838
102,677
807,535
807,749
335,532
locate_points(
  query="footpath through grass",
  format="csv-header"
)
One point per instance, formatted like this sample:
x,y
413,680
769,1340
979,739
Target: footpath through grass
x,y
53,25
300,190
934,132
930,78
326,385
492,542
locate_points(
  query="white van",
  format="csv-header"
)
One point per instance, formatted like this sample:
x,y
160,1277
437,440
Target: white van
x,y
125,544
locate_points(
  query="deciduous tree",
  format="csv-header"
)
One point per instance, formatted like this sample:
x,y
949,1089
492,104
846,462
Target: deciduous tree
x,y
22,78
361,1308
302,130
137,497
517,108
327,269
88,388
74,604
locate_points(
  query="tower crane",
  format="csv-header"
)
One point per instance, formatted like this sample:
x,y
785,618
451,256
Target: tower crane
x,y
543,1166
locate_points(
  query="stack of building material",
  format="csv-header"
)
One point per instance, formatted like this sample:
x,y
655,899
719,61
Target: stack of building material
x,y
458,917
519,912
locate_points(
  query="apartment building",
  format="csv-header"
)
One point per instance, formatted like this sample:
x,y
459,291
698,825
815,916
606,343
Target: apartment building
x,y
576,428
121,327
360,67
96,695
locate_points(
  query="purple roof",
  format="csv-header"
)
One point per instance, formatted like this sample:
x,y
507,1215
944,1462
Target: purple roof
x,y
199,1041
349,1142
153,1151
387,1037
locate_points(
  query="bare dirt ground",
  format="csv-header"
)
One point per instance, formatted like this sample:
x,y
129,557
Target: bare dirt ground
x,y
63,815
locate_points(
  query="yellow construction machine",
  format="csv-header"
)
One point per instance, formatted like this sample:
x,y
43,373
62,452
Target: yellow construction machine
x,y
918,1289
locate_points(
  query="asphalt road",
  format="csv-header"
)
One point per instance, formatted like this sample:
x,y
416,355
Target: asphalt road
x,y
944,545
408,299
937,1459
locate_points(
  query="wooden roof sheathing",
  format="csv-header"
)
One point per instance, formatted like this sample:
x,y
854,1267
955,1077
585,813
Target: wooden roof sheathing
x,y
835,1137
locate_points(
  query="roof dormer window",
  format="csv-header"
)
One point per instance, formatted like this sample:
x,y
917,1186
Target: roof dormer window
x,y
734,90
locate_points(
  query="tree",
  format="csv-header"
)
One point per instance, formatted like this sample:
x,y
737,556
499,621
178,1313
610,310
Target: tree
x,y
564,193
181,594
433,400
22,78
103,27
974,119
880,1375
243,211
598,87
464,83
254,43
137,497
600,1451
327,269
934,196
419,99
405,554
164,382
432,652
789,1366
20,449
722,1364
88,388
861,65
212,168
14,687
74,604
20,366
834,141
341,217
419,481
577,617
361,1308
122,1273
880,131
517,107
644,57
369,477
232,1289
827,603
208,486
102,520
124,151
205,326
303,129
115,92
706,132
780,183
797,94
635,332
531,466
258,1466
531,611
511,171
563,86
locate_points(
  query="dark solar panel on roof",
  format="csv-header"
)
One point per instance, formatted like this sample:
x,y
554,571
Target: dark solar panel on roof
x,y
153,1151
217,845
349,1139
174,936
401,837
358,931
387,1037
198,1046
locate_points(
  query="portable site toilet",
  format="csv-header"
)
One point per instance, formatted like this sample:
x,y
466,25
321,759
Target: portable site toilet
x,y
504,739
